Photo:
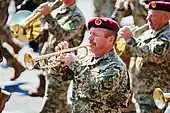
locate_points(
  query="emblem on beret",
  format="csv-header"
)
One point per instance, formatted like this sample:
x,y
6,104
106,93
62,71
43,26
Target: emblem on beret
x,y
153,5
98,21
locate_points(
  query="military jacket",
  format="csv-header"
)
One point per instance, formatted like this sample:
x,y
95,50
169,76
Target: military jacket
x,y
66,24
150,63
100,85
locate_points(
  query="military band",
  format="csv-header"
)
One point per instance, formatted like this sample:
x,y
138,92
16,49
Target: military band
x,y
122,72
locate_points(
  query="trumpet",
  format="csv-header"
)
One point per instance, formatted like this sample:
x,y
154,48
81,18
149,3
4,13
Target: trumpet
x,y
120,43
26,25
160,98
31,62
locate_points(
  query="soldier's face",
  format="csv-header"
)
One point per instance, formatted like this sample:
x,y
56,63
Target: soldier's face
x,y
155,19
99,43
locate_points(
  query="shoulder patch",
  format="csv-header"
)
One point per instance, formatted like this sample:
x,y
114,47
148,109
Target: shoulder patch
x,y
116,68
164,37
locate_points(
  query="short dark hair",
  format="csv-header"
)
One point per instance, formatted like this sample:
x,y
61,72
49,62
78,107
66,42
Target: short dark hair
x,y
111,33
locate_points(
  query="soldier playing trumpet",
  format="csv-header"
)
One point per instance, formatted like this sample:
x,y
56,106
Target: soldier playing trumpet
x,y
100,80
150,53
66,22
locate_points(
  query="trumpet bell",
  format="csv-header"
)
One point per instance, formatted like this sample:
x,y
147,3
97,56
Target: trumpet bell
x,y
159,98
21,31
120,45
19,17
29,62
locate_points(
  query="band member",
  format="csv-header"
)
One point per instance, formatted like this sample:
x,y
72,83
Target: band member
x,y
150,52
105,10
100,80
135,8
66,22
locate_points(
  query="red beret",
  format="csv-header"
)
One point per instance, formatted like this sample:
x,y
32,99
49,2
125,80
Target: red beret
x,y
160,5
104,22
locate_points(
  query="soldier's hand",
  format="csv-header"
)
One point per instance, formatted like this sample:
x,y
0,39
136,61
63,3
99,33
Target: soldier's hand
x,y
45,8
125,32
67,58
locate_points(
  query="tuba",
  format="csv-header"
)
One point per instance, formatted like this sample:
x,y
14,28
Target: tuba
x,y
26,25
160,98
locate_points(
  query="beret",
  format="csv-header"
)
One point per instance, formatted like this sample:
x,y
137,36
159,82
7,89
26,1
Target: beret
x,y
103,22
160,5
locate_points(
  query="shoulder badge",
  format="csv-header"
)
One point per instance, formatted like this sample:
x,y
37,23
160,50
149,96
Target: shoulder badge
x,y
116,68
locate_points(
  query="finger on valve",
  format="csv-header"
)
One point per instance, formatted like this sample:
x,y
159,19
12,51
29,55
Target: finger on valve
x,y
60,46
63,45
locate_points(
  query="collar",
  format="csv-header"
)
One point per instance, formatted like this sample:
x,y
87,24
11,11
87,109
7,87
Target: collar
x,y
97,60
161,30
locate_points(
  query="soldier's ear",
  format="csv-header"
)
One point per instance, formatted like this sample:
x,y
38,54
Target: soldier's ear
x,y
111,39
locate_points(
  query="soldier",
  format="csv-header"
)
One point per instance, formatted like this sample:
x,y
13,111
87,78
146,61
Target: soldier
x,y
36,44
136,8
150,52
103,8
100,80
6,37
66,22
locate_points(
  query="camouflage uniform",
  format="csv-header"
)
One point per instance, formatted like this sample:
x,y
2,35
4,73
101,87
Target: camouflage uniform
x,y
149,67
100,85
69,25
135,8
103,8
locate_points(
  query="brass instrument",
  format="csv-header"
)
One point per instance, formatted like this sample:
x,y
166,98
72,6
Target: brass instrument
x,y
31,62
160,98
120,43
26,25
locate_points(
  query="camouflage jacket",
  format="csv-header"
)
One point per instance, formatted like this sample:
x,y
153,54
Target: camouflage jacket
x,y
66,24
150,63
101,85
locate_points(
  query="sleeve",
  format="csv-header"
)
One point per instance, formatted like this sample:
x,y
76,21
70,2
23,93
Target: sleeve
x,y
68,73
157,51
76,67
68,30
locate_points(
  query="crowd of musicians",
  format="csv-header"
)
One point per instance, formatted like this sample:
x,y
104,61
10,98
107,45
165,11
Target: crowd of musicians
x,y
123,66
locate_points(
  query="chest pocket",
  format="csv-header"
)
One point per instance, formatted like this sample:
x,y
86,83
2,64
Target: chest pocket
x,y
108,83
105,79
